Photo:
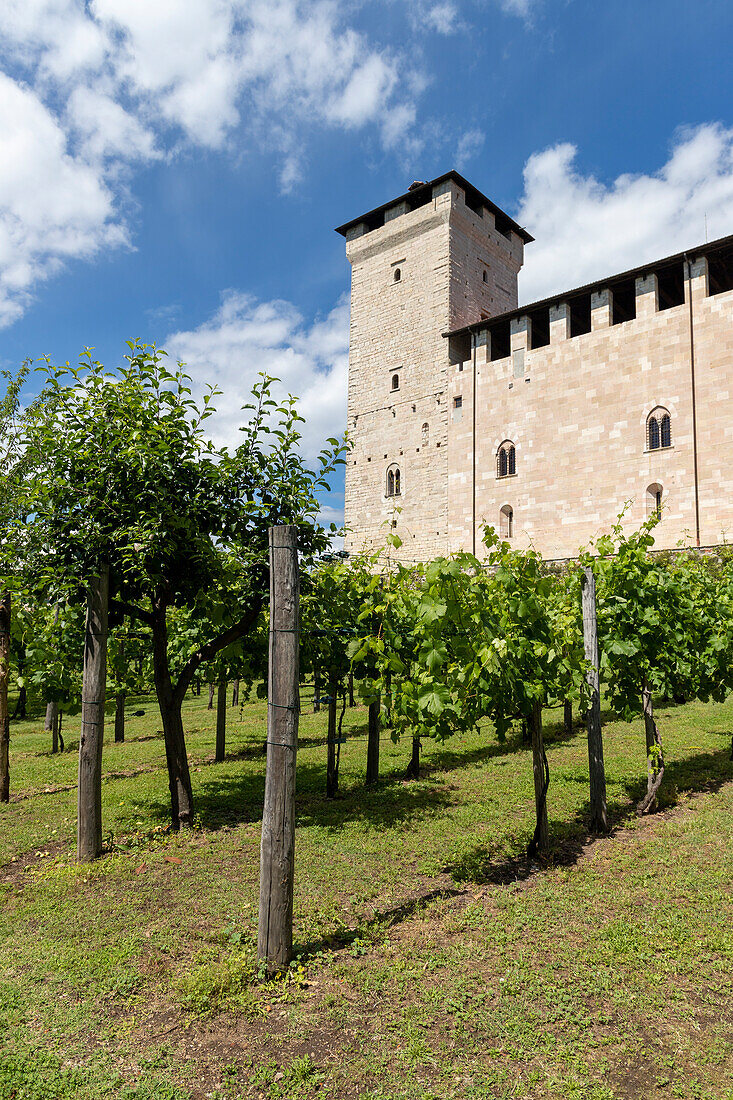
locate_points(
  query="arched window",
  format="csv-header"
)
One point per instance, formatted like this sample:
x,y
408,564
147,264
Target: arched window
x,y
506,522
395,381
658,429
506,459
394,482
397,275
654,499
425,434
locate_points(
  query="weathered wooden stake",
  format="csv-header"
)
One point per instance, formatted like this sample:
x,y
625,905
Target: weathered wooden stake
x,y
277,855
372,769
567,717
539,765
120,700
52,724
598,808
89,820
4,709
221,720
332,779
413,768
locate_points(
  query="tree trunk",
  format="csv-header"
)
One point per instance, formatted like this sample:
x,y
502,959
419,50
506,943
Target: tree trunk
x,y
221,720
197,685
89,820
567,717
277,853
372,771
654,754
235,694
211,695
597,773
541,840
52,724
4,712
413,768
20,711
179,777
60,726
332,779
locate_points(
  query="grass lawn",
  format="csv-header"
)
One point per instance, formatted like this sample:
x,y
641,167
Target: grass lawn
x,y
434,960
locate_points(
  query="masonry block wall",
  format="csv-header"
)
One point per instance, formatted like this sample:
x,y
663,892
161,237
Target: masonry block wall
x,y
570,385
413,278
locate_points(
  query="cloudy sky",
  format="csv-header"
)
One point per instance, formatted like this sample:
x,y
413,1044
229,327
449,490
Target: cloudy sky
x,y
173,169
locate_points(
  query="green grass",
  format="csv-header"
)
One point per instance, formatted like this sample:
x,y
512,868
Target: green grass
x,y
434,961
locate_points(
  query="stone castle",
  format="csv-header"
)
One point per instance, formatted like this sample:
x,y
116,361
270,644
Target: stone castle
x,y
543,420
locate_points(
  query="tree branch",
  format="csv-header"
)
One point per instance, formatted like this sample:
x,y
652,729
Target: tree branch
x,y
132,610
221,641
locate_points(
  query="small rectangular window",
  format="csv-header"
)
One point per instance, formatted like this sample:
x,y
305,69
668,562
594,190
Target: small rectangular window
x,y
624,302
459,348
580,315
671,286
458,402
500,340
720,271
540,327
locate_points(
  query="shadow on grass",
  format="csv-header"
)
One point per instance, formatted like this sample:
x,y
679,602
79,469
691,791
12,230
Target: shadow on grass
x,y
223,801
385,918
705,773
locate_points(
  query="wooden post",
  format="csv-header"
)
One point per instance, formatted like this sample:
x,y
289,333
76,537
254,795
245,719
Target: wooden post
x,y
89,820
567,717
277,855
4,709
598,808
372,770
52,724
539,764
413,768
221,720
120,700
351,689
332,780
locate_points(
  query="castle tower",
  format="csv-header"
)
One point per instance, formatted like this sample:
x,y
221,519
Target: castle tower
x,y
435,259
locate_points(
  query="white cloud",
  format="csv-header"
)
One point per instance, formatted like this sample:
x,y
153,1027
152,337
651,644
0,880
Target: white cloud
x,y
586,229
116,82
442,18
469,144
53,206
246,336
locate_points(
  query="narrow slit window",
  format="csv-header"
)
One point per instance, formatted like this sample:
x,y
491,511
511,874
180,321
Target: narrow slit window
x,y
395,381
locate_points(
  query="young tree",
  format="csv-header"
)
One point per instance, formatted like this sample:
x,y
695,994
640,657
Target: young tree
x,y
132,480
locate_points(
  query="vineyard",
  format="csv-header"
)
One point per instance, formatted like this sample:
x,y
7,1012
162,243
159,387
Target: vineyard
x,y
511,790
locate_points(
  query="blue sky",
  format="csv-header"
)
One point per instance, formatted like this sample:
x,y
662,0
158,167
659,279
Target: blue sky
x,y
173,169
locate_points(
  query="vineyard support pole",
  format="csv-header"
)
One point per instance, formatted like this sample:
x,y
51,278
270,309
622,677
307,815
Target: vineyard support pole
x,y
277,853
372,769
94,683
221,720
567,717
413,768
332,782
120,700
598,808
538,767
5,607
